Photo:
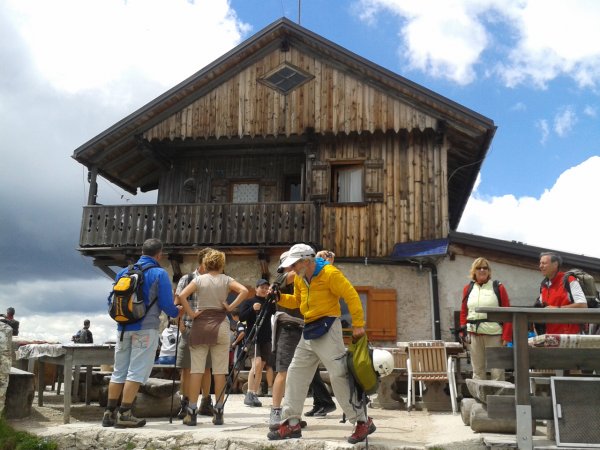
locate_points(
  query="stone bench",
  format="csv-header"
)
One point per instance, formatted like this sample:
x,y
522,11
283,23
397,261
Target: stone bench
x,y
153,399
19,394
474,411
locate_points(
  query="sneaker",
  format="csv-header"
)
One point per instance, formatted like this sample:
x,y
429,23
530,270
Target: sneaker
x,y
323,411
270,392
285,431
206,407
183,408
109,417
362,430
312,411
191,417
275,419
252,400
218,416
128,420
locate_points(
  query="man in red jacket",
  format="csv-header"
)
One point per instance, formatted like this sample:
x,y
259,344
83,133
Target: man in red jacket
x,y
553,293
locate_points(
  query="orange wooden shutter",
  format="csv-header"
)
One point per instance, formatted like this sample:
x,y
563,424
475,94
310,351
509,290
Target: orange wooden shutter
x,y
381,315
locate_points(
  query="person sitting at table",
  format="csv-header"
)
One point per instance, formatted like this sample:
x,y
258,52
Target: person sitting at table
x,y
84,336
168,344
483,291
9,319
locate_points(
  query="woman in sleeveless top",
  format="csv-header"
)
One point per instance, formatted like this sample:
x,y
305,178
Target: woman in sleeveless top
x,y
210,329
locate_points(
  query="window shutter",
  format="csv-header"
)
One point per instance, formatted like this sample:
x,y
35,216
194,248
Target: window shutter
x,y
374,179
381,315
320,182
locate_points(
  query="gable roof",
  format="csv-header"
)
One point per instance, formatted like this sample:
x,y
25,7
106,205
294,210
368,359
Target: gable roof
x,y
116,151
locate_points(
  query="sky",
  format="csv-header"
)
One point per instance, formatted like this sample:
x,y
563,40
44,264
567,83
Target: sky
x,y
72,68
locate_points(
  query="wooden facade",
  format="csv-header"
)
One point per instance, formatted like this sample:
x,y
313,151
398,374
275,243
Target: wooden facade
x,y
231,127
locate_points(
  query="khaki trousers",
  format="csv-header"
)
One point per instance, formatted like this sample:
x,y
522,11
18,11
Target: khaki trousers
x,y
330,350
479,342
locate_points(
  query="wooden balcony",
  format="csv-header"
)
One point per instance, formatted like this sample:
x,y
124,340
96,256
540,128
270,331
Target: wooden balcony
x,y
182,225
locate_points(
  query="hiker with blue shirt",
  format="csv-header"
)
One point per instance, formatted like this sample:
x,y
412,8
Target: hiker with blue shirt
x,y
318,286
137,342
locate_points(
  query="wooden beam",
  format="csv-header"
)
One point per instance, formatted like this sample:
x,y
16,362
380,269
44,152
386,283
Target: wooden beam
x,y
503,407
546,358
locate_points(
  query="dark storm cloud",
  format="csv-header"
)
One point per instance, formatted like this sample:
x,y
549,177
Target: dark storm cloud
x,y
43,188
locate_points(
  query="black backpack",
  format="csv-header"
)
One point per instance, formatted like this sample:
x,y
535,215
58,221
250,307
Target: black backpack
x,y
126,300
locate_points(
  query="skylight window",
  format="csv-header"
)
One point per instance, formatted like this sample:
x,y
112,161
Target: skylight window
x,y
286,78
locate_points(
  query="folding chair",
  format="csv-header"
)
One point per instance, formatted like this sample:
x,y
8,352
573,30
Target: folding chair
x,y
428,362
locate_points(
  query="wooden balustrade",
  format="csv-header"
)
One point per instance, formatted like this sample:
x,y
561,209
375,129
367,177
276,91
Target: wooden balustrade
x,y
199,224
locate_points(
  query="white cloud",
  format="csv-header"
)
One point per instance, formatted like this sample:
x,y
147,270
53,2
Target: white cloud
x,y
590,111
113,39
519,106
64,325
555,38
444,39
564,121
555,220
544,128
544,39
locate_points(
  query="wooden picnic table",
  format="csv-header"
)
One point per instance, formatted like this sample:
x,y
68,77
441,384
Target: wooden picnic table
x,y
558,359
72,357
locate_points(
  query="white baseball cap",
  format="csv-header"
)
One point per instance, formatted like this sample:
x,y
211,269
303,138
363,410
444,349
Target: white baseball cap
x,y
296,253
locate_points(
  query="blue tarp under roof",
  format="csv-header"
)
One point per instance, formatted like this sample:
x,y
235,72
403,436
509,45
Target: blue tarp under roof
x,y
420,249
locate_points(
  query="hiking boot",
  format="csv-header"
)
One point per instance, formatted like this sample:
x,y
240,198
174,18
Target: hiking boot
x,y
218,416
183,408
324,410
191,417
128,420
206,407
362,430
252,400
312,412
285,431
109,417
275,419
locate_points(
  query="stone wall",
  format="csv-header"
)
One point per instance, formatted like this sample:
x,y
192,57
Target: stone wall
x,y
522,285
6,357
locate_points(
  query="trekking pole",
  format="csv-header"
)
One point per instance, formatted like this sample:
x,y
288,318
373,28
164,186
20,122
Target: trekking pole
x,y
365,400
174,367
251,340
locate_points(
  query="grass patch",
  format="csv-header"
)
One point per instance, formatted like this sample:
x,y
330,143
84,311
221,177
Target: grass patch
x,y
10,439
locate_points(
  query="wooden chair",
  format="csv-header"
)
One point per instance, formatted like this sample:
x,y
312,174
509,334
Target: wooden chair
x,y
428,362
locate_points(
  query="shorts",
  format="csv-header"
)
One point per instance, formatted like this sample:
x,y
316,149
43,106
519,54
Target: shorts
x,y
183,352
134,356
218,353
263,350
288,336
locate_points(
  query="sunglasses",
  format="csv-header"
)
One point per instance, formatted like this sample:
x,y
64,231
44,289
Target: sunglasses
x,y
483,268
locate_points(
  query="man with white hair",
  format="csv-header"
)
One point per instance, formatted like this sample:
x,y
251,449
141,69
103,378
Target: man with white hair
x,y
318,286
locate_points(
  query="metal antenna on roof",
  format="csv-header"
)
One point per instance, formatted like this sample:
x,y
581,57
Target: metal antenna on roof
x,y
299,10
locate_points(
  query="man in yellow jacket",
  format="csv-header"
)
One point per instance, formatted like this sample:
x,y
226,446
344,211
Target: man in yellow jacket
x,y
318,286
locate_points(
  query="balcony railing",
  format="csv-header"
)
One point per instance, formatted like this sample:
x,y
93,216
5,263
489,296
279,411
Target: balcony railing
x,y
249,224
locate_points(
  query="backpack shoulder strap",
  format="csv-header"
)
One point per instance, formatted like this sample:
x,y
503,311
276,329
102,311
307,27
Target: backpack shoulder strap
x,y
469,289
567,285
496,284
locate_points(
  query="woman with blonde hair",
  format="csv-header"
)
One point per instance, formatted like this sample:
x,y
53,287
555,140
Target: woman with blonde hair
x,y
483,291
210,329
